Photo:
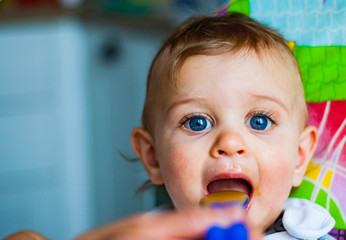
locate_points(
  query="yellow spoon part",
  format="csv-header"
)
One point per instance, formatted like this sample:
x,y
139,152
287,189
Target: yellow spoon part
x,y
223,197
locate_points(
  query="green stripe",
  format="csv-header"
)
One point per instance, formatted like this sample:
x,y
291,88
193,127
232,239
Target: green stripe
x,y
241,6
321,198
323,72
303,191
336,214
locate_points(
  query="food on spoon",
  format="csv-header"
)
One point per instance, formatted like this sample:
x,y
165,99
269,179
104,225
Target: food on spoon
x,y
224,197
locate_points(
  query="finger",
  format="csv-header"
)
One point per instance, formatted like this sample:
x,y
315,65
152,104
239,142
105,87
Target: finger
x,y
186,224
194,222
115,230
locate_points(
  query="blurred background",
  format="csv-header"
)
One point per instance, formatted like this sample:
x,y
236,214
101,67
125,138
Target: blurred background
x,y
72,86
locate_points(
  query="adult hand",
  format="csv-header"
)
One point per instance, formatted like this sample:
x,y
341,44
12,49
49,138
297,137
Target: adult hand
x,y
190,223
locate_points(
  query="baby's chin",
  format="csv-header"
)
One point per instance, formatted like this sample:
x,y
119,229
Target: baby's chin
x,y
263,220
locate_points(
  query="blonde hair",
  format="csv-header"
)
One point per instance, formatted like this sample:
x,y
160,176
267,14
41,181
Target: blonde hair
x,y
208,35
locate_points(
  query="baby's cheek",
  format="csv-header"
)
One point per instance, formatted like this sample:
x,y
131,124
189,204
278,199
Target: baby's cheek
x,y
184,184
273,193
179,170
177,164
278,174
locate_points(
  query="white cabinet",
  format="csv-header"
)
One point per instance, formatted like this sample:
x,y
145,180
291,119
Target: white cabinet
x,y
65,113
120,60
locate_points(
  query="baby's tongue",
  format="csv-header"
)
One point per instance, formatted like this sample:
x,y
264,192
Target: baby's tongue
x,y
239,185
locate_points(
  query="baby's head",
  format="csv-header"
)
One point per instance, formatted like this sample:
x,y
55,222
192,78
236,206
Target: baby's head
x,y
225,110
211,36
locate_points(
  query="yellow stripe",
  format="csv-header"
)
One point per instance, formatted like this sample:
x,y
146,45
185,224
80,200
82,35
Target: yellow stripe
x,y
313,171
327,179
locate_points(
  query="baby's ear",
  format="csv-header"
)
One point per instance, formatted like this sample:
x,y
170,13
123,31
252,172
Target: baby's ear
x,y
143,146
307,145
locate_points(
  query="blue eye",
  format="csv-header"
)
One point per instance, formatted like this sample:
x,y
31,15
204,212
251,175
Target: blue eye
x,y
259,123
197,124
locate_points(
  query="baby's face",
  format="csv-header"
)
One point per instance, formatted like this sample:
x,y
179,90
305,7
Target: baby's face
x,y
234,123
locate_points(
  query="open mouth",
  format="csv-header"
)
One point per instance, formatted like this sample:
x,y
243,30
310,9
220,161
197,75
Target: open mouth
x,y
230,184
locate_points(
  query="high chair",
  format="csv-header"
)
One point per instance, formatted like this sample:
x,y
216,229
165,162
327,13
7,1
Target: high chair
x,y
316,33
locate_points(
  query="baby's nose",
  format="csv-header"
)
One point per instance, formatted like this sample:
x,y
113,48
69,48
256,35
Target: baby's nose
x,y
228,143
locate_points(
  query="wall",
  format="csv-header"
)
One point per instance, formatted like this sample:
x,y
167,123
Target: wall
x,y
67,106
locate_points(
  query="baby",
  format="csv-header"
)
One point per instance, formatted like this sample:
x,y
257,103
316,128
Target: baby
x,y
225,110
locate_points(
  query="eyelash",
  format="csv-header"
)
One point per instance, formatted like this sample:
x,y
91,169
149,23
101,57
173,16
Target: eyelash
x,y
193,115
263,114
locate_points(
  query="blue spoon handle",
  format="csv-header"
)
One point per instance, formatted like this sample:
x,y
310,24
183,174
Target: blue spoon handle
x,y
237,231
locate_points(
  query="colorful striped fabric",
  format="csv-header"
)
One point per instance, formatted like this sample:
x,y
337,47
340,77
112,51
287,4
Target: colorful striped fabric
x,y
316,31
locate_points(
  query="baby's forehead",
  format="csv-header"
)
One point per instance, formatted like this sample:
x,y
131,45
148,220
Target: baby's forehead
x,y
284,72
271,59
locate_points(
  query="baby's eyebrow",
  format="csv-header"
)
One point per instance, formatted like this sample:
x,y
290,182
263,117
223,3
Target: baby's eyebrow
x,y
184,101
200,100
272,99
